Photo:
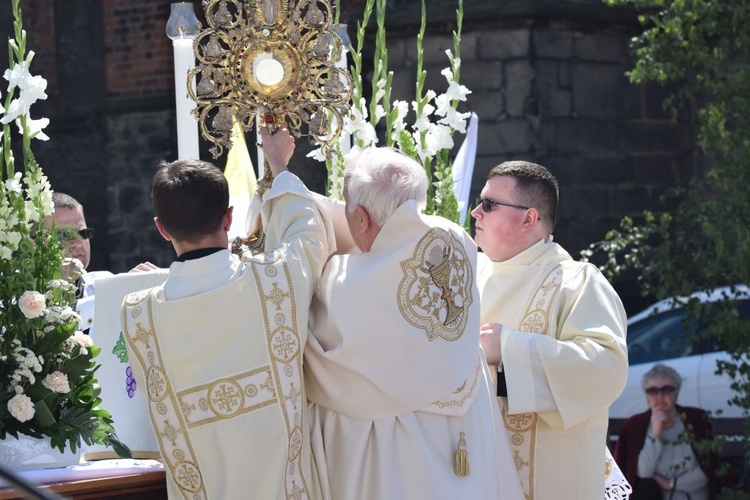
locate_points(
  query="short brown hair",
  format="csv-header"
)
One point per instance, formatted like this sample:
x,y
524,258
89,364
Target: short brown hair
x,y
190,198
535,187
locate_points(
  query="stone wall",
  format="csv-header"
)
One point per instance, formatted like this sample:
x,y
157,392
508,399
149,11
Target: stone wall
x,y
547,81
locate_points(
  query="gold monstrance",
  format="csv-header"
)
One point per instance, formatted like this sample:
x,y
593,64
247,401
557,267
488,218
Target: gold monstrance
x,y
274,59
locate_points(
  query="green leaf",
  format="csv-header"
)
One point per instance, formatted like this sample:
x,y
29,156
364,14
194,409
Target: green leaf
x,y
42,414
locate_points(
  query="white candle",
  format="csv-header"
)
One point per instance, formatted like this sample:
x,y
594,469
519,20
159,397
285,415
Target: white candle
x,y
345,139
259,150
187,125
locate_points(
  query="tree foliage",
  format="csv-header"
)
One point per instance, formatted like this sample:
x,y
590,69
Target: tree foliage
x,y
701,50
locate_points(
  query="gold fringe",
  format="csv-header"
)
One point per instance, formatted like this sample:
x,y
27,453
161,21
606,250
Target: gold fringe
x,y
461,462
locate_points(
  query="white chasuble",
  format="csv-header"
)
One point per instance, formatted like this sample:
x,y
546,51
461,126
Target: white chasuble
x,y
564,360
218,349
221,414
395,374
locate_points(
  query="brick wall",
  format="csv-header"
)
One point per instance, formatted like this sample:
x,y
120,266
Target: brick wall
x,y
139,54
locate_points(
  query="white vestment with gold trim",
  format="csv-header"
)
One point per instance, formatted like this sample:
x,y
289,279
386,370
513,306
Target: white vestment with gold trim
x,y
394,371
565,361
223,366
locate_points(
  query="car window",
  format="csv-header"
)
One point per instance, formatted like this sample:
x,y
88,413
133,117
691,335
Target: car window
x,y
711,344
660,337
664,336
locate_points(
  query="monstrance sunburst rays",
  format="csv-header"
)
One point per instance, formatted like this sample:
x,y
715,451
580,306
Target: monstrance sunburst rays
x,y
274,59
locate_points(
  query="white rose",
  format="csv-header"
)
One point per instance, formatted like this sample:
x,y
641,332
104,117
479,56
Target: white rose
x,y
56,382
82,339
21,407
32,304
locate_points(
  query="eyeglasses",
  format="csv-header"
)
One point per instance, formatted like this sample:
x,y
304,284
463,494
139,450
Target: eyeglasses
x,y
71,234
666,390
487,204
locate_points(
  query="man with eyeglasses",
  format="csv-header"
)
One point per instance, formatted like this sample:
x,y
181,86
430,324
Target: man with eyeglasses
x,y
556,330
75,237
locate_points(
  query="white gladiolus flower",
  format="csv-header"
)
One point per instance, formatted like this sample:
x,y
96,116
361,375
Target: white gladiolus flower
x,y
402,108
360,128
5,253
423,121
14,183
439,137
379,112
34,127
317,154
455,120
21,407
56,382
13,238
32,304
31,89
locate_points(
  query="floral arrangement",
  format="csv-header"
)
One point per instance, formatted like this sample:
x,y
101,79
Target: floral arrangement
x,y
429,139
47,384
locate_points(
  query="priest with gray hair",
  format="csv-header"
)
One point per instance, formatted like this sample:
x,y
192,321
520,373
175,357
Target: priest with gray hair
x,y
394,370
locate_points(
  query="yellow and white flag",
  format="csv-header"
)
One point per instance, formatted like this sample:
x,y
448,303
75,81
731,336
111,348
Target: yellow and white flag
x,y
242,181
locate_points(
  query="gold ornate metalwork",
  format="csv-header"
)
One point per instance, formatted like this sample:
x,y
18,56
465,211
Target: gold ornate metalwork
x,y
274,59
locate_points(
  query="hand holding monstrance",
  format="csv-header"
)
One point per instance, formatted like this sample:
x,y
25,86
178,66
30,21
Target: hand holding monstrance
x,y
274,59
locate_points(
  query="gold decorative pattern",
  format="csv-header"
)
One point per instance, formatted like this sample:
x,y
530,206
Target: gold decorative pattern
x,y
283,342
523,427
166,419
275,59
462,394
277,296
435,292
227,397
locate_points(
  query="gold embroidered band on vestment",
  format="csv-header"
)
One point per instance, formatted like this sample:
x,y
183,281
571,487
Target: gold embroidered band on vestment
x,y
523,427
227,397
279,310
167,421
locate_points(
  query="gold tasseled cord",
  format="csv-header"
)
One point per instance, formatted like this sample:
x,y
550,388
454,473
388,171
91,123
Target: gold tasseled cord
x,y
461,461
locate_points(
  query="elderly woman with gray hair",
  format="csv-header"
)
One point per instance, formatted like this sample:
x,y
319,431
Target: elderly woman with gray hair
x,y
655,447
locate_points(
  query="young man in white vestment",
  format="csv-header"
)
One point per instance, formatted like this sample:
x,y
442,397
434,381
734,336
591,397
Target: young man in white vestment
x,y
556,327
219,345
401,401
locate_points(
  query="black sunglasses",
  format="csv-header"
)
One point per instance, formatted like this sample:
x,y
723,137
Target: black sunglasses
x,y
666,390
487,204
68,234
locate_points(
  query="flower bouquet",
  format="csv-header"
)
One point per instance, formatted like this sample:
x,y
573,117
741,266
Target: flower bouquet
x,y
47,384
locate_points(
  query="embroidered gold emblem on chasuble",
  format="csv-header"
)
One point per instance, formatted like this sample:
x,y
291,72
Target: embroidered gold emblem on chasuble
x,y
523,427
174,413
435,292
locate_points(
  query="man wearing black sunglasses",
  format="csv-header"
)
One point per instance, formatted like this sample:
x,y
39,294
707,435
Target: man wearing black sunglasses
x,y
75,237
556,329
